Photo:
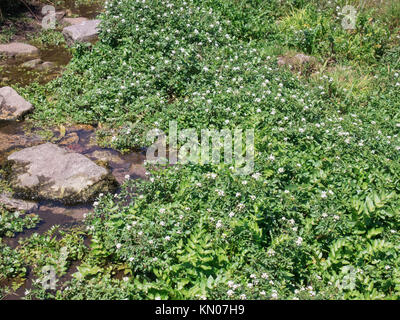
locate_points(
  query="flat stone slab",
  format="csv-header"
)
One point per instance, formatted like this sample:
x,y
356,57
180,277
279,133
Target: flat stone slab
x,y
12,105
15,49
73,21
83,32
53,173
12,204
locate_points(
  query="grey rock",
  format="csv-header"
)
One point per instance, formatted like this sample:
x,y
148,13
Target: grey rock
x,y
45,66
32,63
13,105
12,204
17,49
38,64
50,172
83,32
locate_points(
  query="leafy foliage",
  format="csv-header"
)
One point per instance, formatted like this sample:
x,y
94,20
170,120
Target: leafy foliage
x,y
319,216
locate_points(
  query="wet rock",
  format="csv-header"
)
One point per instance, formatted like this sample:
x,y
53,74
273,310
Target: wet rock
x,y
38,64
13,137
12,204
12,106
45,66
82,32
17,49
73,21
53,173
32,63
106,156
69,139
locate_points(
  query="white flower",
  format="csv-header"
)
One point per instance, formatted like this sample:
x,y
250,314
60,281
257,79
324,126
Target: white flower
x,y
230,293
256,176
281,170
119,246
299,241
271,252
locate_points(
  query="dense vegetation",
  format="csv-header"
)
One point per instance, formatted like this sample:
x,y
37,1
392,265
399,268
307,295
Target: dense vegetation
x,y
320,215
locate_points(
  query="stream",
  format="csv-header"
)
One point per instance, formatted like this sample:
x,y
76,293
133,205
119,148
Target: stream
x,y
77,138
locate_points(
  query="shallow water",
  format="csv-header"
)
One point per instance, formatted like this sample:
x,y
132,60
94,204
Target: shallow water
x,y
80,139
89,11
12,73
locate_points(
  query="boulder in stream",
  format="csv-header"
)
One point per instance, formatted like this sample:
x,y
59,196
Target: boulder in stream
x,y
12,105
53,173
18,49
13,204
85,31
